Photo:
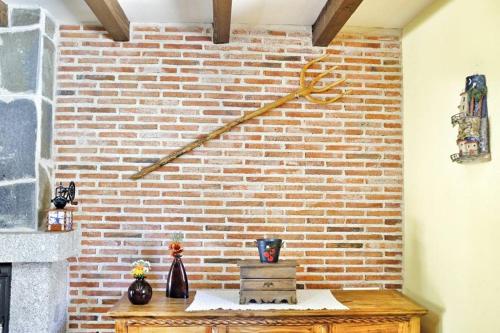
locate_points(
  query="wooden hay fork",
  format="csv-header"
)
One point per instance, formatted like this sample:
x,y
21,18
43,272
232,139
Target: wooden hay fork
x,y
305,90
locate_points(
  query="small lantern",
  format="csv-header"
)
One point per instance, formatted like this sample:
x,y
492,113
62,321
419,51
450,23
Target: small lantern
x,y
61,219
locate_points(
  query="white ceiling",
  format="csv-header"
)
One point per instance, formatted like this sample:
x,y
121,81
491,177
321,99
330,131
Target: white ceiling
x,y
371,13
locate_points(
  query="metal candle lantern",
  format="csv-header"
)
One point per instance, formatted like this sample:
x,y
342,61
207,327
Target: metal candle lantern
x,y
61,219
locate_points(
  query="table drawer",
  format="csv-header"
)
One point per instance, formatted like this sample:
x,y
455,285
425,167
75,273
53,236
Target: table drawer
x,y
268,284
371,328
147,329
271,329
271,296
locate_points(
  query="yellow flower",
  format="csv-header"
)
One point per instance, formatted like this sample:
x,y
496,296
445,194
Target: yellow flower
x,y
138,272
140,268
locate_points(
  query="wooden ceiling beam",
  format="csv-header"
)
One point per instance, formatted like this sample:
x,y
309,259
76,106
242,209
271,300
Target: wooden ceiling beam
x,y
332,18
112,17
221,21
4,14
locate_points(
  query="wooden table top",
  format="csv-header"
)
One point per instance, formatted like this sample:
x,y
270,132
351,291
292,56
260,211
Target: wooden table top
x,y
360,302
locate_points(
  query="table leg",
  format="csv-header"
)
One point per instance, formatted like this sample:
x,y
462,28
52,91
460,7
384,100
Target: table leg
x,y
414,325
120,326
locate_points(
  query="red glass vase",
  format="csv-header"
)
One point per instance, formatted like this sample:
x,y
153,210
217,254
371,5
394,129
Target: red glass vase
x,y
177,282
140,292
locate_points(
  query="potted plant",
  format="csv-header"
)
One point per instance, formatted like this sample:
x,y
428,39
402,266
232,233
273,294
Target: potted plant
x,y
269,249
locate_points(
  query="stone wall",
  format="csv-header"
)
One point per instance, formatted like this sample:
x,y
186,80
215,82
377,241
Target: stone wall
x,y
326,178
27,58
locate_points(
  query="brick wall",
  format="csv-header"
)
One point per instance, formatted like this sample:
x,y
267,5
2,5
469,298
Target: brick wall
x,y
327,179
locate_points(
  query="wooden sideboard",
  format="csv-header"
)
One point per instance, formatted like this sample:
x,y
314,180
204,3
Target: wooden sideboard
x,y
381,311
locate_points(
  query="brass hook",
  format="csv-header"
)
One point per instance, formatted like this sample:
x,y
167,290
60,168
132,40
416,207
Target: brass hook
x,y
309,88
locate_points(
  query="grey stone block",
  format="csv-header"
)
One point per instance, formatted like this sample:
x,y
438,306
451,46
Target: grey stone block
x,y
39,291
19,61
17,208
44,196
46,130
24,16
18,130
38,246
50,27
48,68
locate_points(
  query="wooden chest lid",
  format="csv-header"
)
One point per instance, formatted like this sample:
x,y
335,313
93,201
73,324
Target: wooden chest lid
x,y
257,263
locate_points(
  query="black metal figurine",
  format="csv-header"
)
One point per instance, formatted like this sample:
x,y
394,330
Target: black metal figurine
x,y
64,195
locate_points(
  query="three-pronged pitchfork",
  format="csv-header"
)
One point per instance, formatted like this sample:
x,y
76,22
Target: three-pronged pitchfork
x,y
305,90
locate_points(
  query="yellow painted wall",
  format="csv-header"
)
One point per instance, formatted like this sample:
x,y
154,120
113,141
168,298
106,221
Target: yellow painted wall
x,y
452,211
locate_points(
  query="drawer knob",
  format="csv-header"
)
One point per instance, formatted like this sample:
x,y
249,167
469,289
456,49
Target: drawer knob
x,y
268,284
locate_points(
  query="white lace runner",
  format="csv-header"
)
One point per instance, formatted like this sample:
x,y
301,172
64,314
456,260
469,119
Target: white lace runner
x,y
217,299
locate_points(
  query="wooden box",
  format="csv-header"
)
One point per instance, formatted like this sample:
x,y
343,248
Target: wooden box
x,y
268,282
59,220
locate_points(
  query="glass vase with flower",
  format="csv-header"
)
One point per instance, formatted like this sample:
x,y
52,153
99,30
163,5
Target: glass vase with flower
x,y
177,282
140,291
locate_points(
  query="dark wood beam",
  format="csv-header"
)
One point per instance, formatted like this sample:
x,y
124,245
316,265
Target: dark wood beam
x,y
221,21
331,19
4,14
112,17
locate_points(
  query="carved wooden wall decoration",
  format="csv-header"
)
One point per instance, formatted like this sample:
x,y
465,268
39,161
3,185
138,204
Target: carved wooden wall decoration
x,y
305,90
